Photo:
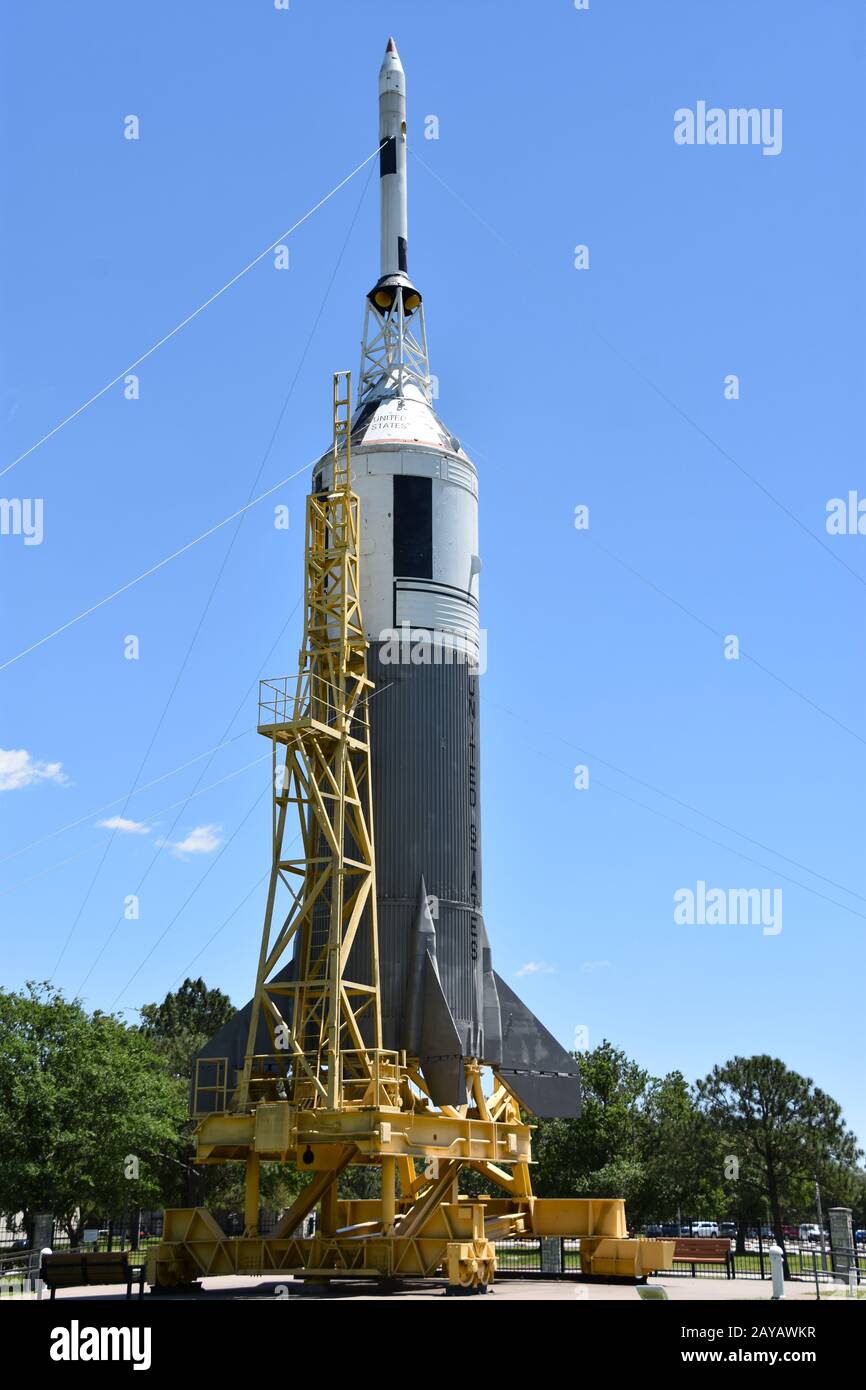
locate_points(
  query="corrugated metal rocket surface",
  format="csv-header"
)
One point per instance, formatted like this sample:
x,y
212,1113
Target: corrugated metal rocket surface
x,y
442,1002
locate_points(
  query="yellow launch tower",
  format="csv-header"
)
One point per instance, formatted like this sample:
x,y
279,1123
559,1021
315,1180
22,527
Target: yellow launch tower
x,y
324,1094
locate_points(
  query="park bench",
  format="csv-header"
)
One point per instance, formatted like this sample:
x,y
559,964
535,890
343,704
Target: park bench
x,y
75,1268
704,1250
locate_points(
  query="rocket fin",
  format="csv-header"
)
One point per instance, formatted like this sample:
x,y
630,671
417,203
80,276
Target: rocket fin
x,y
491,1013
422,945
430,1031
440,1050
544,1077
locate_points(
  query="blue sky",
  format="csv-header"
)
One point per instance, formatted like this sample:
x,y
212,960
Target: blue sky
x,y
601,387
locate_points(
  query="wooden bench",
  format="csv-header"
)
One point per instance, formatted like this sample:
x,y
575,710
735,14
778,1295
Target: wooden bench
x,y
75,1268
704,1250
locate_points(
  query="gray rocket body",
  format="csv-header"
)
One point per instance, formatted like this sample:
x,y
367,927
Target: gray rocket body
x,y
441,1000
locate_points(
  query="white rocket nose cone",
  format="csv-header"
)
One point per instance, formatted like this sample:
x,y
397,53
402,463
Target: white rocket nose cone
x,y
391,67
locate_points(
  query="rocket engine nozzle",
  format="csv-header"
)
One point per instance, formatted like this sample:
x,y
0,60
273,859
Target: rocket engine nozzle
x,y
386,289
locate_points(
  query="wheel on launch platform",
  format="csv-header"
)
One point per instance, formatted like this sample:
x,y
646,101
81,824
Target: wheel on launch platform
x,y
486,1272
468,1274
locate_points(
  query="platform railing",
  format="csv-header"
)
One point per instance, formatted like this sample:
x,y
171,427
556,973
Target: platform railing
x,y
281,704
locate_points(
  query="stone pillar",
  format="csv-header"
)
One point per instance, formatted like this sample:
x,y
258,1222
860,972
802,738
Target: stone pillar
x,y
842,1241
551,1255
43,1230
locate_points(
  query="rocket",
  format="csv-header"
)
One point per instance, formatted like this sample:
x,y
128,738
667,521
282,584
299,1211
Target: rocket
x,y
442,1001
394,220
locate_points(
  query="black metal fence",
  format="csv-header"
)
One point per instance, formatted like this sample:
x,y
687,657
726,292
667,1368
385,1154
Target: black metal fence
x,y
802,1262
132,1231
542,1257
126,1232
549,1256
557,1256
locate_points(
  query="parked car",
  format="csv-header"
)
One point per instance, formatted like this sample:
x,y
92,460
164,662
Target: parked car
x,y
809,1231
705,1228
729,1229
670,1228
654,1231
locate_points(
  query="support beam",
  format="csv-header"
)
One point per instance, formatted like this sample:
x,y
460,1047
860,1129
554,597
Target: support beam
x,y
251,1195
310,1196
411,1224
329,1217
389,1194
406,1173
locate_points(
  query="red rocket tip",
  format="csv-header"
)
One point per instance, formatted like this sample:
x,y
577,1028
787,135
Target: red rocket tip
x,y
391,61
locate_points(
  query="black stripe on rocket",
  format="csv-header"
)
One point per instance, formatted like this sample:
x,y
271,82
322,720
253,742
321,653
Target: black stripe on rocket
x,y
388,165
388,156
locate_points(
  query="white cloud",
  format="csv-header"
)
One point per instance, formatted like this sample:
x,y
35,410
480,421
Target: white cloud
x,y
129,827
536,967
204,839
19,769
596,964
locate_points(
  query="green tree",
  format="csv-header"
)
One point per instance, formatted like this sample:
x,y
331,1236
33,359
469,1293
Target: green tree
x,y
599,1154
184,1022
177,1028
86,1109
857,1200
640,1138
782,1130
682,1168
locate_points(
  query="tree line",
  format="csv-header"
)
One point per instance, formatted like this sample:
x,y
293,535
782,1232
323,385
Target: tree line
x,y
94,1117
